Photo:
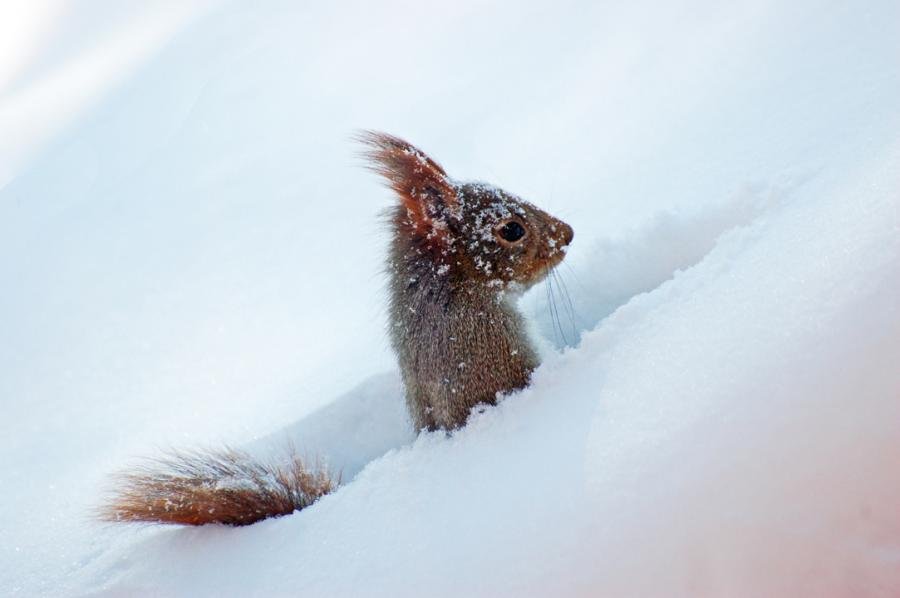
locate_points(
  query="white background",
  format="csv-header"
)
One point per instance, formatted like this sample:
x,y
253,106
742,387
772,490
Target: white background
x,y
190,254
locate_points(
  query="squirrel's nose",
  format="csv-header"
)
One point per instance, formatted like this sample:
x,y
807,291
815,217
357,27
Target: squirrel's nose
x,y
567,233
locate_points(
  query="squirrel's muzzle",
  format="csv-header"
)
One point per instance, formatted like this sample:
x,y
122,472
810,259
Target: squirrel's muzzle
x,y
567,233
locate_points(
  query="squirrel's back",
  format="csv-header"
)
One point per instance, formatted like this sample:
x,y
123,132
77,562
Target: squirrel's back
x,y
460,254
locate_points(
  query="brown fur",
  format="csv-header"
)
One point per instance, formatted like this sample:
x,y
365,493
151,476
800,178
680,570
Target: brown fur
x,y
415,178
459,339
225,486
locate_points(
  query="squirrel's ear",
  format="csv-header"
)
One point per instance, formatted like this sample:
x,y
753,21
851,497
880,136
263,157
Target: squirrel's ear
x,y
421,184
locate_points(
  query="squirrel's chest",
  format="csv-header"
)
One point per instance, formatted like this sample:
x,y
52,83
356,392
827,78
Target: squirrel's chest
x,y
456,352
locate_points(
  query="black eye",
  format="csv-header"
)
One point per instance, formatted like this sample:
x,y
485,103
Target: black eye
x,y
512,231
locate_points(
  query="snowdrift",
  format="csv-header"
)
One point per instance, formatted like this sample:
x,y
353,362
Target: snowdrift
x,y
735,431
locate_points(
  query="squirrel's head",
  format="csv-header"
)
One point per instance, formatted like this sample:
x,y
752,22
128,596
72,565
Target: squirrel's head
x,y
470,231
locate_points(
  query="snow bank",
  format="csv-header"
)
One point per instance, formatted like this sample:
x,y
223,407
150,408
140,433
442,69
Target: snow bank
x,y
733,432
618,268
747,428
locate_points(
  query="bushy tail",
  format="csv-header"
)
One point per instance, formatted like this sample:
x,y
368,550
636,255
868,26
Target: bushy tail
x,y
224,486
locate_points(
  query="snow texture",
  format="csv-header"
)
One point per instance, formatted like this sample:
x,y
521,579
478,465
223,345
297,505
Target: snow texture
x,y
190,255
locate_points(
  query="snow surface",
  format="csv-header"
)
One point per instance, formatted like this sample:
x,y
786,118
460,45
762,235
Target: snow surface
x,y
190,255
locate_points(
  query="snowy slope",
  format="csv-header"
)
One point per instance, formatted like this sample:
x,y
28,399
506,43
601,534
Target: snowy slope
x,y
193,257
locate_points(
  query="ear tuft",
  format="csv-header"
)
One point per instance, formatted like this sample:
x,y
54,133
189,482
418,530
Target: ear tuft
x,y
423,187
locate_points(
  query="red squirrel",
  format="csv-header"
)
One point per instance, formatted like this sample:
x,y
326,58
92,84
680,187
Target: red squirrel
x,y
460,253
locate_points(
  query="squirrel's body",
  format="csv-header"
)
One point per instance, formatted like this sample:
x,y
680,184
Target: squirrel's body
x,y
459,338
460,253
457,347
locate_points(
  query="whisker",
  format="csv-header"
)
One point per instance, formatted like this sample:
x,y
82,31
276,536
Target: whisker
x,y
555,312
549,290
568,306
559,289
574,276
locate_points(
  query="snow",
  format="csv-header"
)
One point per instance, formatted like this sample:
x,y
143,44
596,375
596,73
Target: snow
x,y
191,255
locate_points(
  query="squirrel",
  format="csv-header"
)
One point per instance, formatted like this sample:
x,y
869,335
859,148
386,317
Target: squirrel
x,y
459,255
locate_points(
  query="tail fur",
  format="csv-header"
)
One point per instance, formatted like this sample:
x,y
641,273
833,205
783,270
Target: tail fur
x,y
224,486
